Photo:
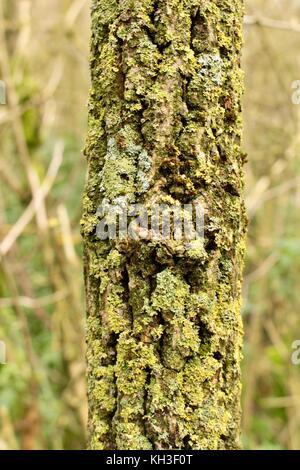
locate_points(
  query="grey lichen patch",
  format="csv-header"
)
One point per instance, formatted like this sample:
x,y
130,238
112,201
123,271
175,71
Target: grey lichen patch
x,y
117,175
211,69
144,167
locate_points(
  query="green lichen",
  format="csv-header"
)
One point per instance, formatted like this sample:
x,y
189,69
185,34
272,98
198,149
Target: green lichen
x,y
163,329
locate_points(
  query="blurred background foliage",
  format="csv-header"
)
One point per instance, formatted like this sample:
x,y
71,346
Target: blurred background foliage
x,y
44,64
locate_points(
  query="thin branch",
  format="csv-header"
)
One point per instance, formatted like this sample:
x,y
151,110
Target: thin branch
x,y
66,233
270,23
38,200
263,269
274,192
10,179
28,302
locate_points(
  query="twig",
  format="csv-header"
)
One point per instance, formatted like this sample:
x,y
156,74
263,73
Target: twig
x,y
28,302
66,232
270,23
38,200
262,270
274,192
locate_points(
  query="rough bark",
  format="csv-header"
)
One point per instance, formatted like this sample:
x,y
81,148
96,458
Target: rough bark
x,y
163,322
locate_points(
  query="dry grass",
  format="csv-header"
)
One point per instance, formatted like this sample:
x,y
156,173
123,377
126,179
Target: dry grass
x,y
44,64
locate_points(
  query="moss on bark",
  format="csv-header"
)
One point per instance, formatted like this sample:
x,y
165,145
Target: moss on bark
x,y
163,326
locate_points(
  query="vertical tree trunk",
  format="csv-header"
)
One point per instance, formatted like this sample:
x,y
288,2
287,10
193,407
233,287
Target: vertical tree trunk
x,y
164,328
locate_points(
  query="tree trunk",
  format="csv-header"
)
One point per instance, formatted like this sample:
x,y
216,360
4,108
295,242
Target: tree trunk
x,y
163,317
